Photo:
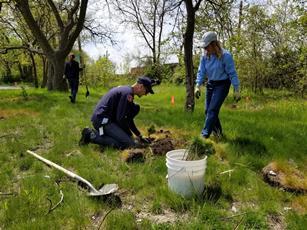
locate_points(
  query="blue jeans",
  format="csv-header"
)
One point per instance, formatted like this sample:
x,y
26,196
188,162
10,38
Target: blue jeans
x,y
113,136
216,93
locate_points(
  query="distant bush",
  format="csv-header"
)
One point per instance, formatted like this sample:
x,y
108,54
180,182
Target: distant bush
x,y
159,71
9,79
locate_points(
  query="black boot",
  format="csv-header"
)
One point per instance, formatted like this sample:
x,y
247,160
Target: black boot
x,y
85,136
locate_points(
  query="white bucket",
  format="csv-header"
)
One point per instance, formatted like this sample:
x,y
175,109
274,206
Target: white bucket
x,y
185,177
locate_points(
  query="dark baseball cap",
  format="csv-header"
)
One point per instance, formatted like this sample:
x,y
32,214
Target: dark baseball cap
x,y
147,83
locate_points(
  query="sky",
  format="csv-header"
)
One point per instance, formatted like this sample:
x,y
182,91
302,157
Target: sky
x,y
128,44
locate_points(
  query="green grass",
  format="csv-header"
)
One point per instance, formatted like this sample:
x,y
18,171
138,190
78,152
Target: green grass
x,y
262,128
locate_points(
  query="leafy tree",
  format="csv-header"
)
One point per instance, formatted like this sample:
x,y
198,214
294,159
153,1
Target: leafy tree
x,y
69,17
101,71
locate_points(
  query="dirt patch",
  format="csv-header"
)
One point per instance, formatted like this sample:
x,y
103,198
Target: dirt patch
x,y
299,204
166,217
8,113
286,177
44,146
142,210
162,146
161,141
275,222
133,155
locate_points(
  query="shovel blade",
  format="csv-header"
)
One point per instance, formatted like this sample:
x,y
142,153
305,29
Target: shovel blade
x,y
105,190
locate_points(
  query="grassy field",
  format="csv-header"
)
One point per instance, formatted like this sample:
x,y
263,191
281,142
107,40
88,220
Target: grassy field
x,y
261,129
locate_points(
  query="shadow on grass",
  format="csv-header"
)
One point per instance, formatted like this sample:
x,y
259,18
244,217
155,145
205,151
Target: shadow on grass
x,y
211,193
245,145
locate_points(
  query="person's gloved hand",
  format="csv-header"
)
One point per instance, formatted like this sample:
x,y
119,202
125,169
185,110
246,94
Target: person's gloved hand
x,y
237,96
197,92
144,140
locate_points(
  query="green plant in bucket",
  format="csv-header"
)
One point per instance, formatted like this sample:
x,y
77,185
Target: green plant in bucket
x,y
198,149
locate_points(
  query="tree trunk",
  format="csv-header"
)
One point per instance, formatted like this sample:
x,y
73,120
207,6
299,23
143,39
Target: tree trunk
x,y
45,69
188,57
34,70
55,74
20,71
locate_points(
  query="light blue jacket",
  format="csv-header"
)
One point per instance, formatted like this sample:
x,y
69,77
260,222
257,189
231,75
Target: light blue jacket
x,y
218,69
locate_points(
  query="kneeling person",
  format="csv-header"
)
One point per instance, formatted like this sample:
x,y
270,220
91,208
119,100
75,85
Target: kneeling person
x,y
113,116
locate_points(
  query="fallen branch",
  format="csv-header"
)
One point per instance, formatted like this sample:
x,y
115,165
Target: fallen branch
x,y
4,50
57,204
237,226
105,216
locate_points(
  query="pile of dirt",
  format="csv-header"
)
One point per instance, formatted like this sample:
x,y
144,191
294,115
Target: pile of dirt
x,y
133,155
162,146
286,177
161,141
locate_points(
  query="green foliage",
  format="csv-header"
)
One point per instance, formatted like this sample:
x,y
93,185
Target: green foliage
x,y
296,221
100,72
178,77
159,71
24,93
199,148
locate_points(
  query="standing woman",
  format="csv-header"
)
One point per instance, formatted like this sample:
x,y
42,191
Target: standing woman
x,y
218,65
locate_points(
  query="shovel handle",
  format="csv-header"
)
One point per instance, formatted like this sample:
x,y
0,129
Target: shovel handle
x,y
67,172
54,165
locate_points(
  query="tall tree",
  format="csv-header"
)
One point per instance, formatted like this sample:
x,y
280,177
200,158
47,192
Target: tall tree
x,y
69,17
188,52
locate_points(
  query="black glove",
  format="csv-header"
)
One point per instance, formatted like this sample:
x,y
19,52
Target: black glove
x,y
237,96
197,92
144,140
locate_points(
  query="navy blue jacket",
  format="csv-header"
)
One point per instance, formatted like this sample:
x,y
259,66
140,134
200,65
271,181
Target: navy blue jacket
x,y
116,106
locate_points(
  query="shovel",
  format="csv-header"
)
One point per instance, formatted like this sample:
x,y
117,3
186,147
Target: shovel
x,y
105,190
87,91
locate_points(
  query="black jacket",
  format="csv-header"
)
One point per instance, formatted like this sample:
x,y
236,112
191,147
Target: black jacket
x,y
71,70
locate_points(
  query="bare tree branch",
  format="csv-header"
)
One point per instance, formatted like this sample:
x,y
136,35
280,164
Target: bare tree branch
x,y
57,204
56,14
4,50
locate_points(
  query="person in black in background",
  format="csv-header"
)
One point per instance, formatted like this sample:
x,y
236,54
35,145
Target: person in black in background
x,y
71,72
113,116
